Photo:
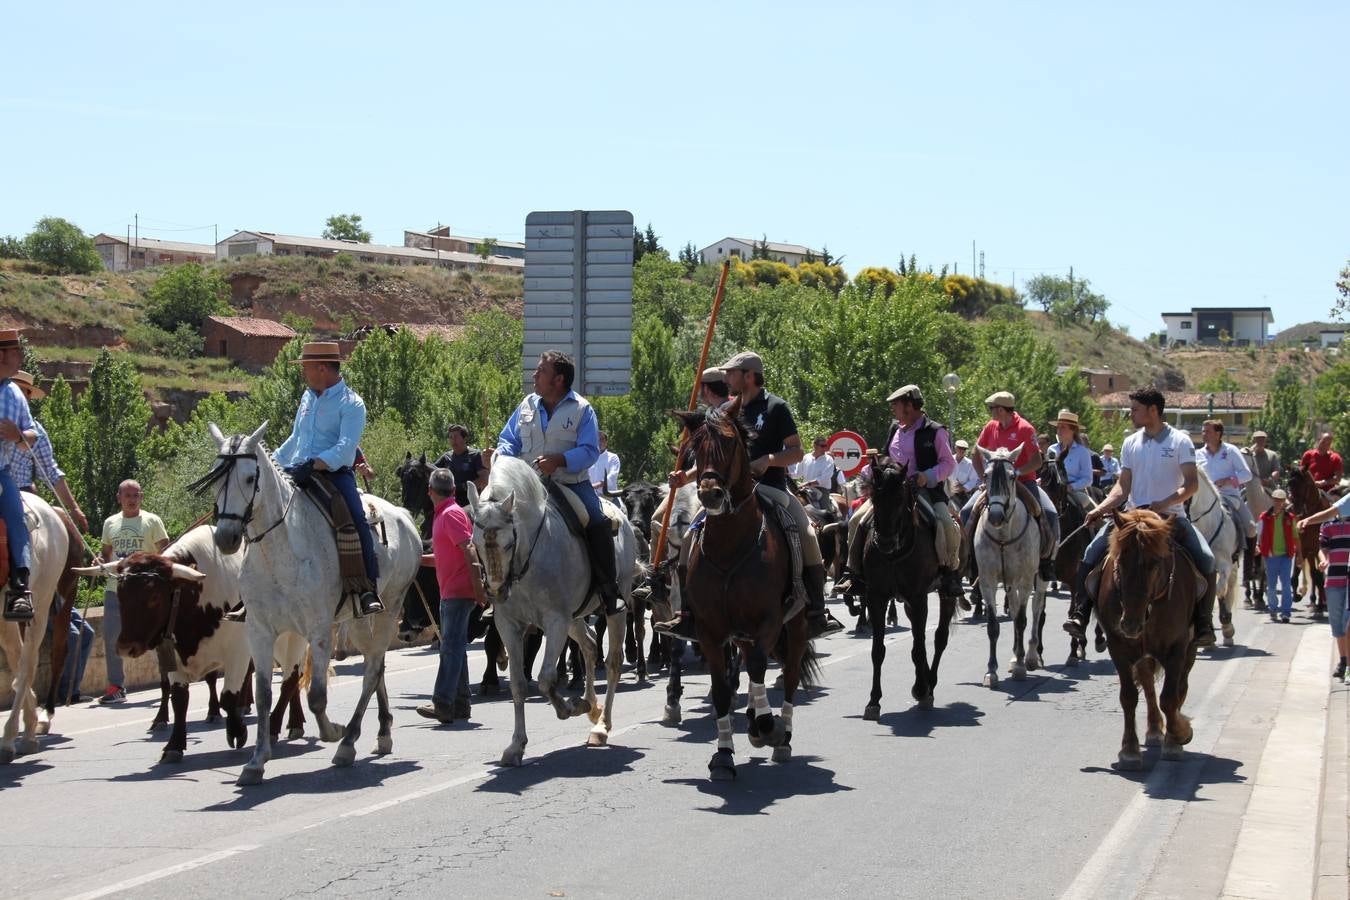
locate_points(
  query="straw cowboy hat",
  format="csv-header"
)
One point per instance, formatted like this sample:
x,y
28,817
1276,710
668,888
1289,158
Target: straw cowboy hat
x,y
25,381
1067,417
320,351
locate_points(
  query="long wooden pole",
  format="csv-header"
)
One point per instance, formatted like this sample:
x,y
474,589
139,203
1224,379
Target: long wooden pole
x,y
660,549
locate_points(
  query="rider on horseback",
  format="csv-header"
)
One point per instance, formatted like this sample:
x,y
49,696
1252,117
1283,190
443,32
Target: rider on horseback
x,y
1157,470
1226,467
16,426
1009,430
774,445
557,430
1072,458
1265,462
922,446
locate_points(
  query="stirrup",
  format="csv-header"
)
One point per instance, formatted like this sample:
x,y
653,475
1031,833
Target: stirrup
x,y
819,624
18,606
1075,628
370,604
681,627
238,614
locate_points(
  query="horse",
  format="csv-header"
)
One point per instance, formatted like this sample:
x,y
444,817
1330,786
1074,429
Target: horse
x,y
1254,574
1306,498
289,581
537,575
1146,600
828,521
1220,530
50,543
900,560
1008,551
740,572
1068,555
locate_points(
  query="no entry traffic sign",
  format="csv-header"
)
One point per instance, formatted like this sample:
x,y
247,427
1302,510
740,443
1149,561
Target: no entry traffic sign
x,y
848,449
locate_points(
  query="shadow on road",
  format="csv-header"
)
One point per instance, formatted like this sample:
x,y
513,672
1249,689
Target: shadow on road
x,y
1219,654
567,762
1030,689
221,759
1163,780
13,775
760,784
916,722
366,773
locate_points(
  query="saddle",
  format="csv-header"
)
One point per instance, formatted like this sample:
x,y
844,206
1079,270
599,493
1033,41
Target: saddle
x,y
31,520
795,600
1094,579
574,511
351,564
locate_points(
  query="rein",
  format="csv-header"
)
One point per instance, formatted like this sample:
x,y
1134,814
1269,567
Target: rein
x,y
223,470
988,530
512,576
1165,593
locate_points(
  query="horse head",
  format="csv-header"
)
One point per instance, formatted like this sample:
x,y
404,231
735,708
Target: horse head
x,y
413,477
892,504
1140,545
1000,469
236,474
722,460
494,536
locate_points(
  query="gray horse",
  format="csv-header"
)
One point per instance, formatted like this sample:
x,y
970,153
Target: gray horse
x,y
538,574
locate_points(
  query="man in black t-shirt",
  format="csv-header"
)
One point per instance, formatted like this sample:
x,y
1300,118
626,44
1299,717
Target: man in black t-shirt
x,y
465,462
774,445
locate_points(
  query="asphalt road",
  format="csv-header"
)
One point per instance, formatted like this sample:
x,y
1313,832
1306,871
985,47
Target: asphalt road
x,y
1004,792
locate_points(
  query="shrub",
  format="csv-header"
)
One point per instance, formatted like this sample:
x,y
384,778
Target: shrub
x,y
62,246
186,295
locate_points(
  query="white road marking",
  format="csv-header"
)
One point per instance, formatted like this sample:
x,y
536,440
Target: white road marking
x,y
129,883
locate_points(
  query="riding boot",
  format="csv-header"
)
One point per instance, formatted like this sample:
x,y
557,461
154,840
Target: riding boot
x,y
1047,568
600,544
1204,613
850,584
238,613
819,622
950,586
1080,606
18,599
370,604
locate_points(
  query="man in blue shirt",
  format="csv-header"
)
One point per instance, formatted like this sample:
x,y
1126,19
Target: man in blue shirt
x,y
327,428
16,426
557,430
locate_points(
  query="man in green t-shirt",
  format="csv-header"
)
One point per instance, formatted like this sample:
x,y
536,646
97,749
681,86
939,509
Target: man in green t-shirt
x,y
124,533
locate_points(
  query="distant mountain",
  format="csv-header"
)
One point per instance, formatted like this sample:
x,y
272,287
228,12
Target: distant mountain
x,y
1296,333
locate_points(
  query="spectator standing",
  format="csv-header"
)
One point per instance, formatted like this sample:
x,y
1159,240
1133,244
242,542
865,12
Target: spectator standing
x,y
79,644
1110,467
460,588
1278,546
124,532
604,472
1335,560
964,478
465,463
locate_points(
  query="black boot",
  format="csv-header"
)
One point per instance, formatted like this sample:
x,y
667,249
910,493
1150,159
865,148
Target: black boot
x,y
819,622
1080,605
850,584
1047,569
600,545
950,586
681,627
1204,614
238,613
370,604
18,599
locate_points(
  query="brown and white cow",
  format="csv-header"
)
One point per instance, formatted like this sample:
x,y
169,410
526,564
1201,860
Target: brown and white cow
x,y
165,597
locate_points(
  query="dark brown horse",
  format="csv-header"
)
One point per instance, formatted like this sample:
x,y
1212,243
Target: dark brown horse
x,y
1305,498
1146,601
738,578
900,561
1067,557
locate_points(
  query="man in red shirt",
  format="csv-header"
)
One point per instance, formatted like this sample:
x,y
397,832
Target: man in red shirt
x,y
1007,429
460,588
1324,464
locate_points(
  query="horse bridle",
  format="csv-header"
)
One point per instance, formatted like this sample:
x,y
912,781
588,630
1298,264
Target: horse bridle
x,y
902,548
1160,595
223,470
512,576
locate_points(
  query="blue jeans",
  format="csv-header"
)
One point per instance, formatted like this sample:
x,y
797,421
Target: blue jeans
x,y
1336,610
345,483
1183,533
79,644
1280,569
11,509
589,499
452,678
112,630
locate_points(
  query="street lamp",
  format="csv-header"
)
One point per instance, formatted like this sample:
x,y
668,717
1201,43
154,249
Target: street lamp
x,y
950,382
1308,343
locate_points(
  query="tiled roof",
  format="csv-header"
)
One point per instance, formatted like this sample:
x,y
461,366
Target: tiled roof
x,y
1192,401
252,327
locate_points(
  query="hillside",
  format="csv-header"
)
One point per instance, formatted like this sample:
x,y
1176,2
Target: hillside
x,y
1086,347
1294,335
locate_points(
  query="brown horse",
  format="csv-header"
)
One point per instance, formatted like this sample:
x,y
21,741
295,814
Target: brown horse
x,y
1146,601
738,577
1305,498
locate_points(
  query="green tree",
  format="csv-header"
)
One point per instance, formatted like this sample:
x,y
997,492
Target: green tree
x,y
113,419
760,250
345,227
1343,289
690,258
1219,382
63,246
485,248
13,248
1067,300
645,242
186,295
1284,415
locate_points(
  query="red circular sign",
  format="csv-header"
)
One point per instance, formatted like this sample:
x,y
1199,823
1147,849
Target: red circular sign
x,y
849,451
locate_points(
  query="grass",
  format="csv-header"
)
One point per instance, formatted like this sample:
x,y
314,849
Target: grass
x,y
106,300
202,374
284,274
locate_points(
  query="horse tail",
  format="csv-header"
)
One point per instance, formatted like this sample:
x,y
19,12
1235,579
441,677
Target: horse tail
x,y
809,676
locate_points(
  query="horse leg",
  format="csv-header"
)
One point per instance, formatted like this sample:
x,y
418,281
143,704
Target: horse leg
x,y
722,766
579,634
987,590
795,654
295,720
917,611
631,647
178,692
638,622
236,733
946,612
290,689
246,691
372,644
514,641
260,644
758,712
317,695
1017,605
1147,670
213,705
874,606
161,718
492,647
384,737
555,641
674,687
614,662
1034,646
1129,759
1179,732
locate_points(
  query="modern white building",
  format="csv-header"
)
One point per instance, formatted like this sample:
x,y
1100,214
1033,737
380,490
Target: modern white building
x,y
744,249
1244,326
1331,337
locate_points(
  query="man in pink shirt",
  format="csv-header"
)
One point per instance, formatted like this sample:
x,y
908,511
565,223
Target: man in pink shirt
x,y
1006,430
460,588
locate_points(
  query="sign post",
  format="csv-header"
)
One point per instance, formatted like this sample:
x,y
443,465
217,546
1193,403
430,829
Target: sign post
x,y
849,451
579,295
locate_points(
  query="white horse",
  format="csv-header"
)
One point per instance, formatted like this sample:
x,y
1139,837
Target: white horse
x,y
1008,551
50,544
539,574
289,582
1216,525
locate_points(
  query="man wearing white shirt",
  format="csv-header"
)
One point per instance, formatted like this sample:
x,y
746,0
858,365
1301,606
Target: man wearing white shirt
x,y
818,468
964,475
604,473
1228,469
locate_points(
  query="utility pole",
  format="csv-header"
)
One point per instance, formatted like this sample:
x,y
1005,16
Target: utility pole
x,y
981,265
972,257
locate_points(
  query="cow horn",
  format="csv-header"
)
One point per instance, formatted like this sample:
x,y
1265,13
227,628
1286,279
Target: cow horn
x,y
107,568
187,573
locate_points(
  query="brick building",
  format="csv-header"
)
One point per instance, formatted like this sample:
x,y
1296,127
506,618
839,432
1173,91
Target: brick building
x,y
251,343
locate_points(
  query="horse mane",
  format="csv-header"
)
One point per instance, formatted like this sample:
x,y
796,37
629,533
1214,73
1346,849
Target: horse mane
x,y
510,475
1143,531
1205,481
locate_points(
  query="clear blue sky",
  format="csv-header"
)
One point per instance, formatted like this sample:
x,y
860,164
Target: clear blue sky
x,y
1176,154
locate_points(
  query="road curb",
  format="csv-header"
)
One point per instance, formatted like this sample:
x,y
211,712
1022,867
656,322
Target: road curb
x,y
1333,845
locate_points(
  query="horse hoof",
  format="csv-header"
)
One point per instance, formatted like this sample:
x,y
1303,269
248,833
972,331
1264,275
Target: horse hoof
x,y
1033,663
157,725
384,744
171,756
926,702
44,727
489,689
212,718
249,776
1129,762
294,733
782,754
597,739
337,733
990,680
671,716
513,758
1019,672
756,739
872,713
1153,739
345,755
722,766
778,735
28,745
1072,661
1172,752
